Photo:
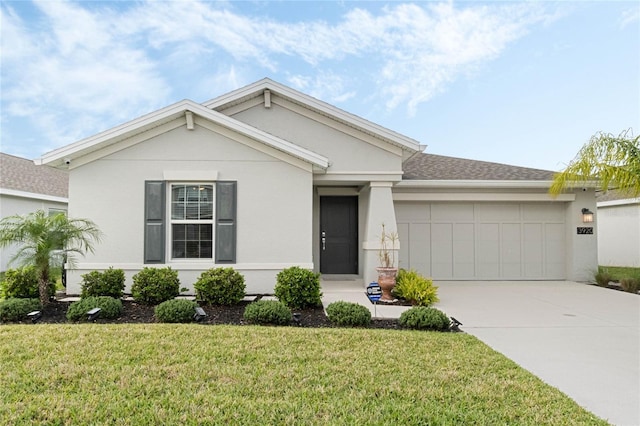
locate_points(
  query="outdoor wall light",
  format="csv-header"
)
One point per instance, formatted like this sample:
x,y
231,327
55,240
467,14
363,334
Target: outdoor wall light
x,y
200,314
34,316
296,318
455,325
93,314
587,216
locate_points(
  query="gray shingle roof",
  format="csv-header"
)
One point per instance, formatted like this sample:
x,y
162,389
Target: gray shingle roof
x,y
437,167
20,174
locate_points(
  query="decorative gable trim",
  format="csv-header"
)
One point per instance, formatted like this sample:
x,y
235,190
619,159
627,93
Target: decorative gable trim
x,y
257,89
176,113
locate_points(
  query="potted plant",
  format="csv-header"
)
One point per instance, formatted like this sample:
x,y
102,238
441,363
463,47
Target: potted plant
x,y
387,271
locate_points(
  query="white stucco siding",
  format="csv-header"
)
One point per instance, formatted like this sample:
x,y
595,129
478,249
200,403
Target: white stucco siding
x,y
619,235
14,205
346,152
274,203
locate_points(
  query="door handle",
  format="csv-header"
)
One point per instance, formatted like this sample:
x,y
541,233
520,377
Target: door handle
x,y
324,241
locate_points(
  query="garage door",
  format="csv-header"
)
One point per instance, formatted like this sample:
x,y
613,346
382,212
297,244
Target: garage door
x,y
482,241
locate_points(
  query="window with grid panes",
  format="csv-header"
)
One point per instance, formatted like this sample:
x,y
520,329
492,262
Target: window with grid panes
x,y
191,221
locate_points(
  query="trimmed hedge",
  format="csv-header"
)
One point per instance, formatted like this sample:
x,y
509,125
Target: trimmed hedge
x,y
424,318
153,286
267,312
347,314
17,309
298,288
175,311
107,283
110,308
220,286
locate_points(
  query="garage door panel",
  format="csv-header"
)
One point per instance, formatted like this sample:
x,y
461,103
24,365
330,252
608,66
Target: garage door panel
x,y
463,250
488,257
442,249
541,212
498,212
420,250
413,212
452,212
554,250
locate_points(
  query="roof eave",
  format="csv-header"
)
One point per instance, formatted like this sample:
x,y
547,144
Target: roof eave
x,y
62,156
258,87
411,183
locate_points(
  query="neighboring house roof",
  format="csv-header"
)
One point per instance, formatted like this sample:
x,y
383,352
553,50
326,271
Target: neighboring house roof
x,y
437,167
19,176
258,88
184,109
615,198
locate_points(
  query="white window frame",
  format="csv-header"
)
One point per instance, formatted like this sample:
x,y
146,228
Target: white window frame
x,y
171,222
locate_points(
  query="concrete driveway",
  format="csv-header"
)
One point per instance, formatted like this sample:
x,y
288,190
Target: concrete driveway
x,y
582,339
579,338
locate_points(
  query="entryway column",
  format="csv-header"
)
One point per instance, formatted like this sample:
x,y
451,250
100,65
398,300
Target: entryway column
x,y
379,211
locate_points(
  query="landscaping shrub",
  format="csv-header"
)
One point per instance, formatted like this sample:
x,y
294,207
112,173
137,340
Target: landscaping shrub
x,y
415,288
152,286
298,288
267,312
22,283
110,307
17,309
424,318
220,286
631,285
107,283
603,278
175,310
348,314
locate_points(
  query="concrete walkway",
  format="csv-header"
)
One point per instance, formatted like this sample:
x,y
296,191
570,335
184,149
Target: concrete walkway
x,y
581,339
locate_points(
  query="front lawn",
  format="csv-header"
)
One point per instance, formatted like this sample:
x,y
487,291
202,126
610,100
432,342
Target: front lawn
x,y
137,374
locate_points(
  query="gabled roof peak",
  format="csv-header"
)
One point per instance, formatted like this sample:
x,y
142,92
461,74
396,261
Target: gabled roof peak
x,y
257,89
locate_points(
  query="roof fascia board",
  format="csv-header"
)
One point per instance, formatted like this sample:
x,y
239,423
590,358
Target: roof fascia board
x,y
393,148
122,131
474,184
120,145
623,202
323,107
262,147
33,196
475,196
138,125
264,137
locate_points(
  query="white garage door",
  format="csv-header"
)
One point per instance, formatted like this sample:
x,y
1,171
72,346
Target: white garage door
x,y
482,241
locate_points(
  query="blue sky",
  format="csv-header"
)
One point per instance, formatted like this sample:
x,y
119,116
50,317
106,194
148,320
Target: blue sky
x,y
523,83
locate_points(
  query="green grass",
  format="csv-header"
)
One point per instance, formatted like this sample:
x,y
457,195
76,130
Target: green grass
x,y
193,374
618,272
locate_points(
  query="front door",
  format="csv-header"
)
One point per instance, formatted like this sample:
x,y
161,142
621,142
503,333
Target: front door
x,y
339,235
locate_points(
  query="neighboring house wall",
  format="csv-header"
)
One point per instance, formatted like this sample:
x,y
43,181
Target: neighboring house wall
x,y
619,233
274,203
20,205
25,188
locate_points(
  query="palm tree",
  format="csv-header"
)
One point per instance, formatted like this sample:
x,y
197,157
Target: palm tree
x,y
46,240
614,161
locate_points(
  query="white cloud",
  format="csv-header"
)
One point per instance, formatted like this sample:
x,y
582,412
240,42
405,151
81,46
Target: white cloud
x,y
84,67
629,17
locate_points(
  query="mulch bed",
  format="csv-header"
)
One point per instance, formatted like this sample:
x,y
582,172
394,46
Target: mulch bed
x,y
136,313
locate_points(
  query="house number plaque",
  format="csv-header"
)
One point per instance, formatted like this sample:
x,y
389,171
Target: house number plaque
x,y
585,230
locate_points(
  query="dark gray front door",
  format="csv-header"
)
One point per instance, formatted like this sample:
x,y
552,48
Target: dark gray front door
x,y
339,235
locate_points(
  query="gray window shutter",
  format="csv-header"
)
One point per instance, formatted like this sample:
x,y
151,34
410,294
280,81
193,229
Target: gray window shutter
x,y
154,217
226,205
